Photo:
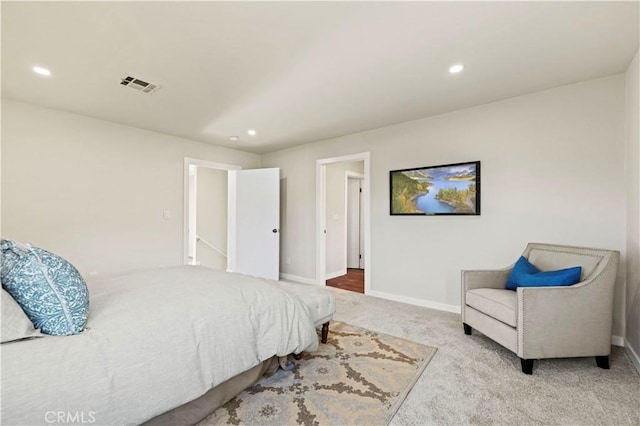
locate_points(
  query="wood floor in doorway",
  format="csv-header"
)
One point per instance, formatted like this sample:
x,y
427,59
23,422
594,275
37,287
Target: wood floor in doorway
x,y
352,281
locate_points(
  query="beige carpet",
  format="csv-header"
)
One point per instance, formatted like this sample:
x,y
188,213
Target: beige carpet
x,y
474,381
359,377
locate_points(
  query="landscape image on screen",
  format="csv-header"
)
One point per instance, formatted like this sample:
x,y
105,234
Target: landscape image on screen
x,y
435,190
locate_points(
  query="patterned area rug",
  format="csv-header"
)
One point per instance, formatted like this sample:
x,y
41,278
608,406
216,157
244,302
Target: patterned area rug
x,y
357,377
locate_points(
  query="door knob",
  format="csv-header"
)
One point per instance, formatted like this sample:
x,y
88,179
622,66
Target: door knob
x,y
275,231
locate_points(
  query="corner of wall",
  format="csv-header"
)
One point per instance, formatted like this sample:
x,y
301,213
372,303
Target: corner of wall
x,y
632,172
633,356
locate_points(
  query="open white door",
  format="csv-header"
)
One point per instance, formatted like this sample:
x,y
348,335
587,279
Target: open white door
x,y
254,222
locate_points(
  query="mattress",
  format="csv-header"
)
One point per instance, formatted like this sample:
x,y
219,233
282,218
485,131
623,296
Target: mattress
x,y
155,340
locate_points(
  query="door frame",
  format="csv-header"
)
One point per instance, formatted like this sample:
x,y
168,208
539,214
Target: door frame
x,y
188,162
321,215
356,176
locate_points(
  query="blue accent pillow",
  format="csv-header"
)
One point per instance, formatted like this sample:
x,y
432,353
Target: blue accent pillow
x,y
521,268
524,274
48,288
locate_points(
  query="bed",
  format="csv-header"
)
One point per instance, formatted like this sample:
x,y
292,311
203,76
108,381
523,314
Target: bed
x,y
160,346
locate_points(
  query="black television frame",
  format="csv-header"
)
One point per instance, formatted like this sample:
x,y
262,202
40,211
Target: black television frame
x,y
394,173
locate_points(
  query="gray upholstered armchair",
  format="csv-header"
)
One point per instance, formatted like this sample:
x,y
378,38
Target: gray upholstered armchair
x,y
546,322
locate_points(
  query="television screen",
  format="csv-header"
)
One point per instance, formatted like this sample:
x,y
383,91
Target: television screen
x,y
448,189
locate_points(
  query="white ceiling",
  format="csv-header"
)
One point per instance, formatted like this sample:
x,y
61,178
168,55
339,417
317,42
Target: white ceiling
x,y
301,72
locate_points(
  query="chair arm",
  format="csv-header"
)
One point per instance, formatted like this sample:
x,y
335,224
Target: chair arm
x,y
488,278
558,322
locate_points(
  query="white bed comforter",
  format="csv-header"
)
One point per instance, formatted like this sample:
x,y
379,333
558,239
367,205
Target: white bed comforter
x,y
154,340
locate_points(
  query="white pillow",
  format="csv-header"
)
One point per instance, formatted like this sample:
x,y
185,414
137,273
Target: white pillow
x,y
15,323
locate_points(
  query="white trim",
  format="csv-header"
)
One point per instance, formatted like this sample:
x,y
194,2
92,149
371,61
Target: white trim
x,y
617,341
298,279
348,174
366,198
321,208
210,164
417,302
633,356
336,274
321,222
231,220
353,175
345,158
185,217
192,220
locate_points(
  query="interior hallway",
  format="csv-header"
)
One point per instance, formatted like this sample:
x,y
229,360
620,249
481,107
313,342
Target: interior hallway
x,y
352,281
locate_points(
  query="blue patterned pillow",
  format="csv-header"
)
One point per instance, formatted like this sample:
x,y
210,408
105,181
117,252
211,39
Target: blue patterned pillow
x,y
48,288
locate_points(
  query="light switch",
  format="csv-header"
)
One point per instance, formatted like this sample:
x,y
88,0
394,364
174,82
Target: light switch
x,y
166,214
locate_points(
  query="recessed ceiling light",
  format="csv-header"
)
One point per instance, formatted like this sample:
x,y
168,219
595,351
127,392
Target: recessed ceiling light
x,y
455,69
233,138
251,132
41,71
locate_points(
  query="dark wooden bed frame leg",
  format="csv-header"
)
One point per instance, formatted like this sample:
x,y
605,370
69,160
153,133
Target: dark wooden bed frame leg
x,y
323,339
603,362
325,332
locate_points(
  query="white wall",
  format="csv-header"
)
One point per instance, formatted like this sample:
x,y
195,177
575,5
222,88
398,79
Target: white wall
x,y
552,171
94,191
211,221
336,238
633,209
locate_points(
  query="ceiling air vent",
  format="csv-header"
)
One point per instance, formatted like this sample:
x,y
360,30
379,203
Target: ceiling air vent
x,y
137,84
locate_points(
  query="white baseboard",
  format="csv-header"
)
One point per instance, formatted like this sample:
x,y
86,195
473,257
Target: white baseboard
x,y
336,274
633,356
413,301
617,341
298,279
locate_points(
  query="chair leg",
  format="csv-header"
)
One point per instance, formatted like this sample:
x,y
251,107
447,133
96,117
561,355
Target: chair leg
x,y
527,366
467,329
325,332
603,361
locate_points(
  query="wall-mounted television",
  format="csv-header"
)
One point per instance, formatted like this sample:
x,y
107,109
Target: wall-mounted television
x,y
448,189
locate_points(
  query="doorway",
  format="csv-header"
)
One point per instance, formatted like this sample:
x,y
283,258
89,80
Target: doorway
x,y
206,217
354,223
336,252
351,275
231,218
